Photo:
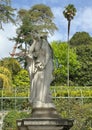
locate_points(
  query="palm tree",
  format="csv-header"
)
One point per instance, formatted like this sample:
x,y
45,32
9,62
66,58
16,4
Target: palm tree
x,y
69,13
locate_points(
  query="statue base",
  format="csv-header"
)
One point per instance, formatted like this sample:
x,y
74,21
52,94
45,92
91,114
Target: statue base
x,y
44,119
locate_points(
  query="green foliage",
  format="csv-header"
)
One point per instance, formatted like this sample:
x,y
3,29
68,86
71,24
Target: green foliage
x,y
18,98
81,113
85,57
5,82
42,17
5,78
60,91
60,62
6,12
83,44
10,119
5,71
22,80
9,67
74,108
67,108
25,29
9,104
69,12
35,21
57,91
80,38
12,64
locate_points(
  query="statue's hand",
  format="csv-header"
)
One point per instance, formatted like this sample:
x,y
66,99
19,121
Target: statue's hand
x,y
39,66
29,56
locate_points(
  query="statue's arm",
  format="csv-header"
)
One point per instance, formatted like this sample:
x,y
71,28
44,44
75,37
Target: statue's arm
x,y
29,53
32,47
47,53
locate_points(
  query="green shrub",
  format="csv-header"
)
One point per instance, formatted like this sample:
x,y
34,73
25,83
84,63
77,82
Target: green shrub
x,y
74,109
10,119
75,93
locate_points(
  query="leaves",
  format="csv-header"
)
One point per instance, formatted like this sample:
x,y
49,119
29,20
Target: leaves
x,y
22,79
60,62
42,17
36,21
5,78
80,38
12,64
82,41
85,57
6,12
5,71
69,12
10,119
6,82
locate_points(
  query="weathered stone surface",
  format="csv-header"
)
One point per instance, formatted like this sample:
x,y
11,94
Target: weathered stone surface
x,y
44,119
44,112
40,67
44,124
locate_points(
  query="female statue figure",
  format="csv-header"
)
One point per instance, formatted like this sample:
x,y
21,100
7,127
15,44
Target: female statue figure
x,y
40,67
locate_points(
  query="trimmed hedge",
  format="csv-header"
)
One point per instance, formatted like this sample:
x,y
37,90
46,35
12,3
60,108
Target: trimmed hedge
x,y
57,91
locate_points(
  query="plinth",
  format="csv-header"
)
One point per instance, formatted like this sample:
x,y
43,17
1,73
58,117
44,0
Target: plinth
x,y
44,119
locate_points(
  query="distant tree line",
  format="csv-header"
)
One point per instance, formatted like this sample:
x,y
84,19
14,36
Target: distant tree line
x,y
80,60
80,64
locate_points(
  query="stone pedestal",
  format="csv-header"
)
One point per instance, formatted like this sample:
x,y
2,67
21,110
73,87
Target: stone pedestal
x,y
44,119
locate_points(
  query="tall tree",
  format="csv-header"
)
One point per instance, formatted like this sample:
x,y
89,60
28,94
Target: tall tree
x,y
42,19
69,13
6,12
82,42
80,38
84,53
36,21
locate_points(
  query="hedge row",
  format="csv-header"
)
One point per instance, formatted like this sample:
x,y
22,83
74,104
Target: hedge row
x,y
56,92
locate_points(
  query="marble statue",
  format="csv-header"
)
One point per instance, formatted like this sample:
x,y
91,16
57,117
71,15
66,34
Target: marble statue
x,y
40,67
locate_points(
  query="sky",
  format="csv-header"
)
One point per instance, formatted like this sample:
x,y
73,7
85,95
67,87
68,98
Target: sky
x,y
81,22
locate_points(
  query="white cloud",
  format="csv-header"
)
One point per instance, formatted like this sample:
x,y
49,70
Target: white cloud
x,y
61,23
5,44
57,36
59,18
82,21
85,18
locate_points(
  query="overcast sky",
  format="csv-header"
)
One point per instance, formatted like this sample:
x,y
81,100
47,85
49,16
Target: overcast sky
x,y
82,21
